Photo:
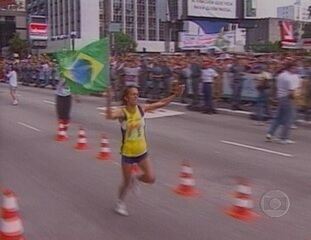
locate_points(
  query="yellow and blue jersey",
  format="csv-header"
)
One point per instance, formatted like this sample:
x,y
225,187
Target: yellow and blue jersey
x,y
133,133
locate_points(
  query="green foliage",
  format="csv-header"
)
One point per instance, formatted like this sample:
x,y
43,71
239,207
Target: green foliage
x,y
123,43
266,47
222,42
17,45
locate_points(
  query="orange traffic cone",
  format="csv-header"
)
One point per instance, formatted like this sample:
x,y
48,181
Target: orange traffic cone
x,y
82,142
105,153
242,204
11,225
66,124
187,183
62,134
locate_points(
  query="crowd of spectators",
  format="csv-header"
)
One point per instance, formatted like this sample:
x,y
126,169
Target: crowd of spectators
x,y
203,75
38,71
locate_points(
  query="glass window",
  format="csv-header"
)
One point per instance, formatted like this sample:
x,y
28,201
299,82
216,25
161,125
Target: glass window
x,y
152,20
9,18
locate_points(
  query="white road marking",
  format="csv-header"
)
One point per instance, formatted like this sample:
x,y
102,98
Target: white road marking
x,y
172,103
104,108
162,113
28,126
116,163
49,102
154,114
257,148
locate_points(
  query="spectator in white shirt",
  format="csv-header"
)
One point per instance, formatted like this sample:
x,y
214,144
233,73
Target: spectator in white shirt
x,y
208,75
285,94
12,77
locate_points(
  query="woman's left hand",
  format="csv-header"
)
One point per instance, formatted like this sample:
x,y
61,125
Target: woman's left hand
x,y
178,91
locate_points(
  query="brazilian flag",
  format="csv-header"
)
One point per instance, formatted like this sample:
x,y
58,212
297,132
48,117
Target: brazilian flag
x,y
87,70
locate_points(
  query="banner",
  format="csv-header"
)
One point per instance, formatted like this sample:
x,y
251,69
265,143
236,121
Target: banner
x,y
288,38
192,42
212,8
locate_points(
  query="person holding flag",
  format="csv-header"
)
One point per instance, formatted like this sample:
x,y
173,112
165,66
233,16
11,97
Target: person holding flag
x,y
134,149
81,72
63,103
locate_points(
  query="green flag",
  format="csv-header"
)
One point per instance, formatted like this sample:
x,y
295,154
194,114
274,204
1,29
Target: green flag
x,y
87,70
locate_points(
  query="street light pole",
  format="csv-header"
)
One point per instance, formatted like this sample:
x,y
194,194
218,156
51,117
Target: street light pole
x,y
73,36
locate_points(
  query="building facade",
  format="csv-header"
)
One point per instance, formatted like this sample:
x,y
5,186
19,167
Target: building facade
x,y
299,11
11,22
144,20
37,7
266,30
288,12
71,22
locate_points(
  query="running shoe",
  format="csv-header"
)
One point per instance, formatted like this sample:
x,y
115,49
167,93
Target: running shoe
x,y
268,138
121,208
286,141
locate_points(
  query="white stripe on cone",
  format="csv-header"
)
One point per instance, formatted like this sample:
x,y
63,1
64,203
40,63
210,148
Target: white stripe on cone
x,y
187,181
104,141
61,125
104,149
243,203
82,140
82,132
12,226
244,189
10,203
62,133
187,170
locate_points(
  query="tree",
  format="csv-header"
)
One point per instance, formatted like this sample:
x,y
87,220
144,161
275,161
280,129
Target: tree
x,y
266,47
123,43
18,45
222,42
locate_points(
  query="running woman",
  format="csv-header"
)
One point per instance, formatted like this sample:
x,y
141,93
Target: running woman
x,y
134,149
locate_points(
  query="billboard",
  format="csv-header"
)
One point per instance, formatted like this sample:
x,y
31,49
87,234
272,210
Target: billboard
x,y
38,31
212,8
224,40
14,5
191,41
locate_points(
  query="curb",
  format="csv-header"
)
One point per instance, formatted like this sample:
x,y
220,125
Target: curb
x,y
303,123
245,114
230,112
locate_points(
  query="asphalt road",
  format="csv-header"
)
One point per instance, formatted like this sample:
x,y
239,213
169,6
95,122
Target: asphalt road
x,y
67,194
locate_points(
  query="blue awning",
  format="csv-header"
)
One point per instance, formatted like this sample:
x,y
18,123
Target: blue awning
x,y
210,26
